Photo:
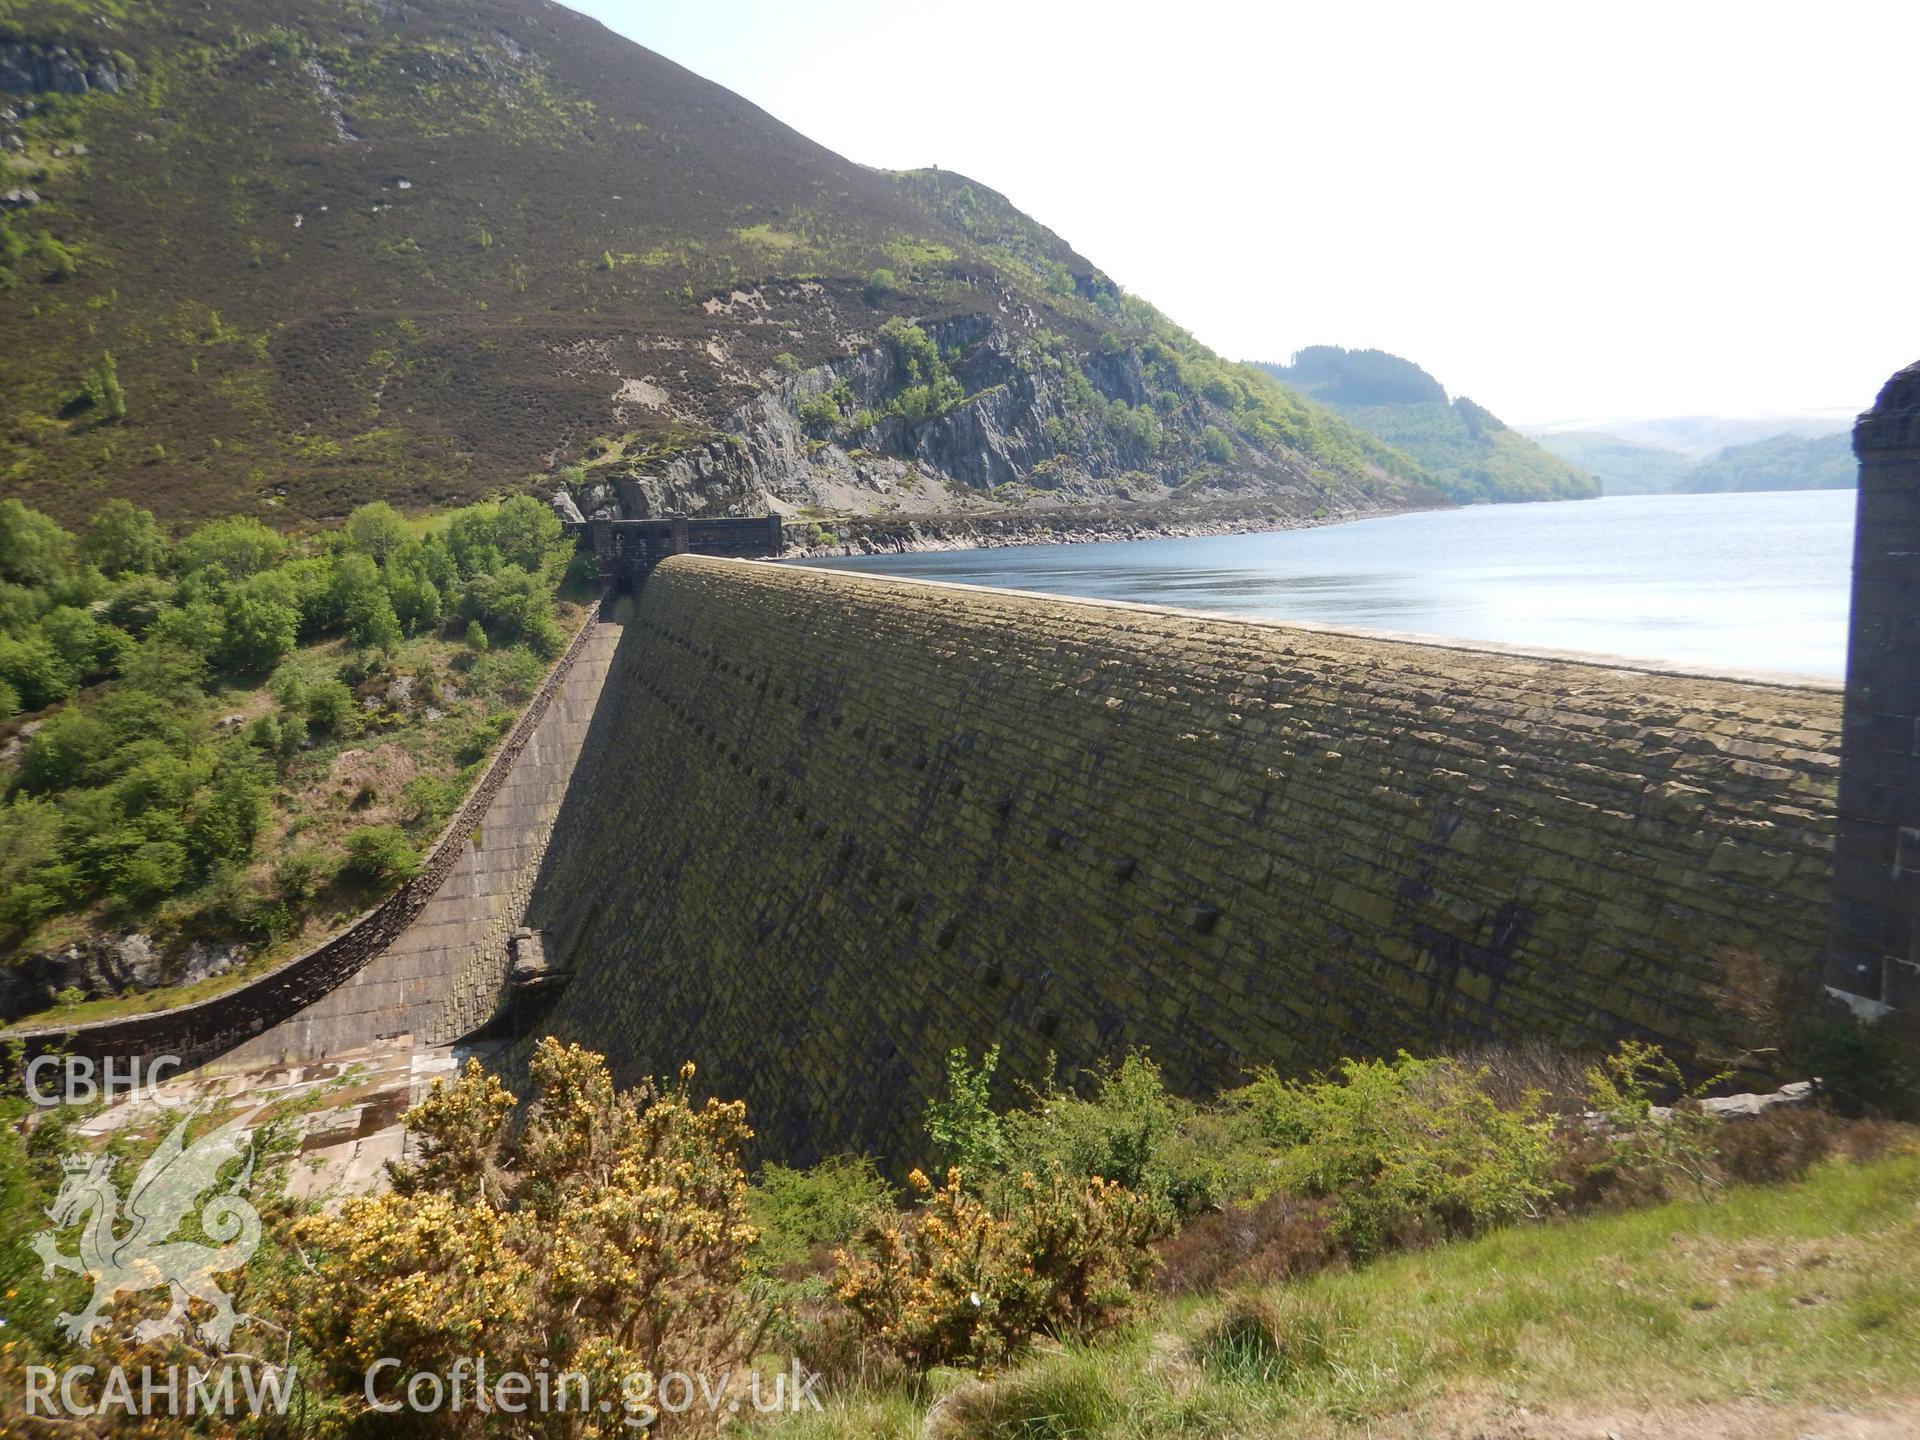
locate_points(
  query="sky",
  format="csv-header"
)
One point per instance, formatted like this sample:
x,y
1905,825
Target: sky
x,y
1566,211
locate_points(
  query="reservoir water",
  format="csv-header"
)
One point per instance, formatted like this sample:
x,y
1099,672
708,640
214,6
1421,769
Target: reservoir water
x,y
1737,581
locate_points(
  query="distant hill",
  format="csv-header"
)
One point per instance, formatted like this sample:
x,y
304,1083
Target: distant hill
x,y
1623,467
1471,455
1822,460
1701,437
280,257
1783,462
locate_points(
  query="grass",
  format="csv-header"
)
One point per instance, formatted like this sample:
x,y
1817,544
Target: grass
x,y
1760,1304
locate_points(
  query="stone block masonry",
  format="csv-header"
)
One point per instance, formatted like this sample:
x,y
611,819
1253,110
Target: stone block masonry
x,y
1876,885
841,823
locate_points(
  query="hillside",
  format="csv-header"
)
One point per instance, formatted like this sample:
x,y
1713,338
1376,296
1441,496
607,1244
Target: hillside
x,y
1471,455
1776,462
1623,467
1784,462
283,259
1701,437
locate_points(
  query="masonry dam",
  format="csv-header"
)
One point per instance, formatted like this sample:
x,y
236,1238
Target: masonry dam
x,y
812,829
828,826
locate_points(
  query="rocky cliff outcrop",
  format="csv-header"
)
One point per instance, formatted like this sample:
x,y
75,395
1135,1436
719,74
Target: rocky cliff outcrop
x,y
30,67
977,415
104,965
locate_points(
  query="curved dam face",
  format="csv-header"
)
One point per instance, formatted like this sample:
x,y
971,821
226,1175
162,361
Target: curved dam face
x,y
829,826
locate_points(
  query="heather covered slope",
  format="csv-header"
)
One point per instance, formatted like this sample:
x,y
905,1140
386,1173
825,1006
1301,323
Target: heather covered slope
x,y
340,250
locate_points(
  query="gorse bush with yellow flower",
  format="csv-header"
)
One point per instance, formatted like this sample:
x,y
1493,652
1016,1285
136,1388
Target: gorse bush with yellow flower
x,y
609,1237
962,1280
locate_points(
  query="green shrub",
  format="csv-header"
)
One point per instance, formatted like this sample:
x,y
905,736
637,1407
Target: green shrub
x,y
527,532
33,549
880,284
261,623
1665,1144
431,800
1218,445
800,1212
507,674
329,708
1403,1148
151,870
303,873
376,530
380,854
137,603
964,1127
1129,1129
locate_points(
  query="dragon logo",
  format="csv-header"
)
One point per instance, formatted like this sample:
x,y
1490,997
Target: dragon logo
x,y
147,1255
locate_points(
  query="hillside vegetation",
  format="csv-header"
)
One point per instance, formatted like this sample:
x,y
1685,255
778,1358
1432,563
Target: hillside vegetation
x,y
1406,1247
1785,462
1777,462
226,746
1468,452
1623,467
281,260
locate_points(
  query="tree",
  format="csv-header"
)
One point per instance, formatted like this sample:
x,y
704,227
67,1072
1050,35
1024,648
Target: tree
x,y
376,529
362,596
416,599
328,707
125,540
262,622
239,544
105,384
524,530
513,605
380,853
373,622
317,583
472,540
35,671
34,550
227,815
89,648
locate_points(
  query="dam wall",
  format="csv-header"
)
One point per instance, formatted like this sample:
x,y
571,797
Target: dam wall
x,y
831,825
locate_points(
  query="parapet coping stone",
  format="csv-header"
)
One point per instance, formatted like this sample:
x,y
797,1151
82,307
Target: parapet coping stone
x,y
1600,660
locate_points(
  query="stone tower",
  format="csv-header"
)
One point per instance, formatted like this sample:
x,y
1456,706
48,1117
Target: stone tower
x,y
1876,890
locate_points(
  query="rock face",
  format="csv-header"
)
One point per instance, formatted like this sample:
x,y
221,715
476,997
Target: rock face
x,y
105,965
1033,432
30,68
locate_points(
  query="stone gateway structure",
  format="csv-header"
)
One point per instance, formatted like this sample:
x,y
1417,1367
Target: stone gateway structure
x,y
830,825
